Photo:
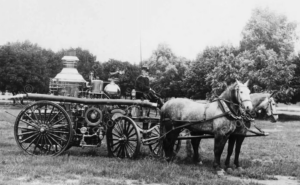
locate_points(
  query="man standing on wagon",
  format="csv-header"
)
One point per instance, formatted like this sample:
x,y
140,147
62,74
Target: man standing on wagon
x,y
143,90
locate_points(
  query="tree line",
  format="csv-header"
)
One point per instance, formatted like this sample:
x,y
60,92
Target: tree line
x,y
266,56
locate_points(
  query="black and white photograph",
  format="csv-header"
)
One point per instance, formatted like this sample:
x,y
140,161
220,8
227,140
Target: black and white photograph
x,y
149,92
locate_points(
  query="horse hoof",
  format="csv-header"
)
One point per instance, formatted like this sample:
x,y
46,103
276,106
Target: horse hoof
x,y
240,169
221,173
229,170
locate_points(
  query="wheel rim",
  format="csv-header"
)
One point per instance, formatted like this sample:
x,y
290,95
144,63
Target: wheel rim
x,y
43,128
156,147
123,138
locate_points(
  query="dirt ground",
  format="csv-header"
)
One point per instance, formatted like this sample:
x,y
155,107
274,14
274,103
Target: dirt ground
x,y
76,181
281,180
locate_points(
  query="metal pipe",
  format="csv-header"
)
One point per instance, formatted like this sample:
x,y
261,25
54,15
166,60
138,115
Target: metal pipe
x,y
193,137
211,136
251,135
37,97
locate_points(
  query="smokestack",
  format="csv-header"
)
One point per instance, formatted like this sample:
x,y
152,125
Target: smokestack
x,y
68,81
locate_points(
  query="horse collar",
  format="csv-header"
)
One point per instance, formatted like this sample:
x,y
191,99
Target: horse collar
x,y
227,110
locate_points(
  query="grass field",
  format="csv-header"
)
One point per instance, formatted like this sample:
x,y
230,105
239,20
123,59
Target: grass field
x,y
262,158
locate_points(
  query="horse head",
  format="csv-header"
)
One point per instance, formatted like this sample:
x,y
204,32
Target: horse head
x,y
242,94
271,110
268,106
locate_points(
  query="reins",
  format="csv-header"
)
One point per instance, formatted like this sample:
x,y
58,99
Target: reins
x,y
243,114
188,123
261,132
266,109
253,114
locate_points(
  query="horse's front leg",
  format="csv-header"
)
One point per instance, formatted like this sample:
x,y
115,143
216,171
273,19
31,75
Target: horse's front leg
x,y
231,142
220,141
238,146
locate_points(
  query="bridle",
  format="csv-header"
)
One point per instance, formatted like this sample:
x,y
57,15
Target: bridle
x,y
239,99
265,108
269,106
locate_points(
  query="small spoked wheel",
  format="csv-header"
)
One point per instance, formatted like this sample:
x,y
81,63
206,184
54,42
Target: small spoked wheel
x,y
43,128
123,138
156,146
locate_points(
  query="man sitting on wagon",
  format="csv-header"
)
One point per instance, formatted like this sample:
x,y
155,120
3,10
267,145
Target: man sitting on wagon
x,y
143,90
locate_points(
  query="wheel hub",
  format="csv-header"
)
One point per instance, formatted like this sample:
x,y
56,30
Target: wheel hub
x,y
93,115
43,128
123,139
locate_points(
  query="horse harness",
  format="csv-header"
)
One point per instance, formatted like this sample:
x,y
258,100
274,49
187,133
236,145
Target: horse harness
x,y
271,108
260,132
229,113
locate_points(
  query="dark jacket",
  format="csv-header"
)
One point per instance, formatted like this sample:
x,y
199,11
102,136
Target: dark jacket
x,y
142,84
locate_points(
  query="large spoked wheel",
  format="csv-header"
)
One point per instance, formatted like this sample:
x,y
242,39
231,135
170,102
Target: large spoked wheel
x,y
156,147
123,138
43,128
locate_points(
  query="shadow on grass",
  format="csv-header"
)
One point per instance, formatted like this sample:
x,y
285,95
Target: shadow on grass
x,y
4,145
287,117
87,151
281,117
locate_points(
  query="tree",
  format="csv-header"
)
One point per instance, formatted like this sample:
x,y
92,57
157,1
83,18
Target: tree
x,y
172,79
86,62
54,63
167,71
270,30
23,68
211,72
225,73
270,38
268,70
295,82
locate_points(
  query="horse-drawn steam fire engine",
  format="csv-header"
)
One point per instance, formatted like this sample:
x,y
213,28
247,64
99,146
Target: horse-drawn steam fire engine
x,y
81,114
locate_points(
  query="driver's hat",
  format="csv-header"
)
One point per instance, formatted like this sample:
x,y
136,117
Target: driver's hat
x,y
146,68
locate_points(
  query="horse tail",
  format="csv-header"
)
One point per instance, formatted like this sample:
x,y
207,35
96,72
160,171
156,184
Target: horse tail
x,y
162,132
162,124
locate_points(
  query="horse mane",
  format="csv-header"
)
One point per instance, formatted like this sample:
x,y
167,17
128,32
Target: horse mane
x,y
227,95
258,98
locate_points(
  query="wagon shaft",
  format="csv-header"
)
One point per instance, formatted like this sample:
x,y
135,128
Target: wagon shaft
x,y
37,97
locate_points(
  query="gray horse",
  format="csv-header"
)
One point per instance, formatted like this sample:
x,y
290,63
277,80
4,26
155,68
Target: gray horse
x,y
263,103
218,123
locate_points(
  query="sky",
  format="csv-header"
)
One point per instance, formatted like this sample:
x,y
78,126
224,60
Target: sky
x,y
129,30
